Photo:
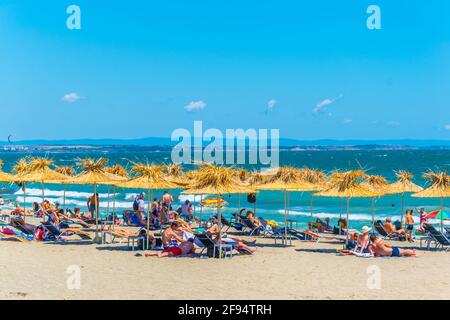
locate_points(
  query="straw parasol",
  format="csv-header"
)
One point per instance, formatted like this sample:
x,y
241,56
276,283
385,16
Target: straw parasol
x,y
121,174
284,179
93,173
377,185
311,180
439,188
69,172
149,177
218,180
39,171
346,185
21,168
5,177
403,185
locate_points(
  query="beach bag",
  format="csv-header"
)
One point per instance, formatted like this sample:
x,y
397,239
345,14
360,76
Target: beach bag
x,y
39,235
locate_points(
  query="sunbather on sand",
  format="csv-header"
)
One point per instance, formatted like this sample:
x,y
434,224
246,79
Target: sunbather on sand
x,y
390,228
213,233
172,234
379,248
362,242
185,248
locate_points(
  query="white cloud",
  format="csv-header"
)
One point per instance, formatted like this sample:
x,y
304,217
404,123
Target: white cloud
x,y
71,97
195,105
347,121
271,104
325,103
393,123
447,127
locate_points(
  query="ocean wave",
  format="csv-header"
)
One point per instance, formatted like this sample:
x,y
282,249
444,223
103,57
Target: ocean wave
x,y
191,197
75,202
60,193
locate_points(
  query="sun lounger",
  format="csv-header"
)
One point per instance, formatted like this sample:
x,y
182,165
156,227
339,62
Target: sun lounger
x,y
382,231
227,224
53,233
212,248
254,230
440,239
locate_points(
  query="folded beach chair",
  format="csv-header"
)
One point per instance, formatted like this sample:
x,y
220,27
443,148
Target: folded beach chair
x,y
382,231
441,240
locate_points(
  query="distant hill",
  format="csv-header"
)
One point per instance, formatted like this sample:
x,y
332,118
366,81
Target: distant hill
x,y
155,141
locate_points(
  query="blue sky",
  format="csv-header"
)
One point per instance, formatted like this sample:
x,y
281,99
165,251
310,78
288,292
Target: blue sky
x,y
145,68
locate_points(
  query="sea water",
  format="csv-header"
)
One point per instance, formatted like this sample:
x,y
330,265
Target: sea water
x,y
269,204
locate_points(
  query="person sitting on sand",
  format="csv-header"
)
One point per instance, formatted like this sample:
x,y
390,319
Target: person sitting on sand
x,y
379,248
390,229
171,236
184,249
362,242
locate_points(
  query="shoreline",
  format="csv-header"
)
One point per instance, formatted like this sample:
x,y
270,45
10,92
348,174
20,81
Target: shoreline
x,y
39,270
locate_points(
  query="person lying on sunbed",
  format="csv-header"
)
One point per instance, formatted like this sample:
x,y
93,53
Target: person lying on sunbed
x,y
213,233
379,248
251,216
362,242
19,221
172,235
390,229
184,249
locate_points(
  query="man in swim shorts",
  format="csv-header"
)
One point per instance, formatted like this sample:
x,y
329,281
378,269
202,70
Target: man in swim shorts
x,y
381,249
185,248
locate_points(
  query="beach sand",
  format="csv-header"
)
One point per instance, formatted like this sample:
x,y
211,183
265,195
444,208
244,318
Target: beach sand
x,y
38,270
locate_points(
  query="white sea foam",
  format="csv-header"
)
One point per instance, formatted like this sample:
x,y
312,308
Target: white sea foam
x,y
60,193
191,197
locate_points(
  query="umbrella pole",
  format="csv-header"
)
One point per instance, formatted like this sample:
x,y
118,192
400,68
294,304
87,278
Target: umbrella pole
x,y
109,194
239,202
96,212
373,212
348,209
201,209
285,218
24,200
340,216
403,209
442,214
148,217
114,207
311,208
64,198
219,215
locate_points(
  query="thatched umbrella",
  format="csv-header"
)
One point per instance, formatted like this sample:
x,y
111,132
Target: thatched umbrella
x,y
377,185
69,172
5,177
403,185
439,188
346,185
310,180
285,179
21,168
93,173
149,177
122,174
39,171
211,179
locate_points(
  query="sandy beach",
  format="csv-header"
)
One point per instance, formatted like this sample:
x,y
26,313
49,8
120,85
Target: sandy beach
x,y
308,270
